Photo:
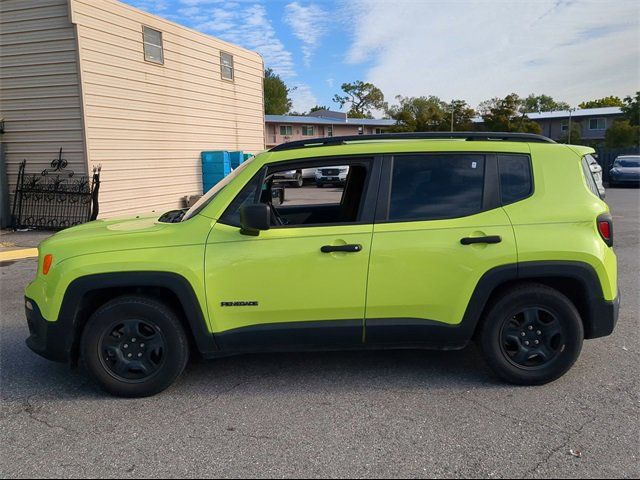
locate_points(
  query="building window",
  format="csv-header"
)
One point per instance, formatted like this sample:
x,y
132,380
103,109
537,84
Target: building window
x,y
360,130
286,130
307,130
597,124
330,131
153,51
564,126
378,131
226,65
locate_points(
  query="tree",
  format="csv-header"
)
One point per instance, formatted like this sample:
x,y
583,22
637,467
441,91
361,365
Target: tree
x,y
543,103
504,115
610,101
631,109
361,97
622,134
576,135
430,114
318,107
418,114
463,116
276,94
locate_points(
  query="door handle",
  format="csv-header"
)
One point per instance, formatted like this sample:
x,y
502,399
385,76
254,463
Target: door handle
x,y
487,239
341,248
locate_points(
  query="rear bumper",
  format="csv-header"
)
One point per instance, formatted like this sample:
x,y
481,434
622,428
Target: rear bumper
x,y
624,179
604,317
47,339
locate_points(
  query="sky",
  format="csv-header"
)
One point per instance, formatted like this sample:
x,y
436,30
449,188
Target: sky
x,y
573,50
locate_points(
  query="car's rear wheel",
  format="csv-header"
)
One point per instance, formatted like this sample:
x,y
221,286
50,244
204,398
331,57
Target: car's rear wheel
x,y
134,346
299,181
532,335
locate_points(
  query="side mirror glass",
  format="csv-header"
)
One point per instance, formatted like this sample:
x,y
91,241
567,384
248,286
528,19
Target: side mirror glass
x,y
254,218
277,195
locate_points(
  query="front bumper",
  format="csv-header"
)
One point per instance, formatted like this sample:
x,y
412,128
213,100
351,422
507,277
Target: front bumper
x,y
50,340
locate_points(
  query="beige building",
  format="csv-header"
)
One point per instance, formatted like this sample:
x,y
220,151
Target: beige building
x,y
117,87
322,123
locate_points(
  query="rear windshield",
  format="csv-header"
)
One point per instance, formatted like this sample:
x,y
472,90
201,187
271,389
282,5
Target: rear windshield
x,y
627,162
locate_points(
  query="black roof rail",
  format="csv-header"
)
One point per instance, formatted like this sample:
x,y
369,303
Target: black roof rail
x,y
468,136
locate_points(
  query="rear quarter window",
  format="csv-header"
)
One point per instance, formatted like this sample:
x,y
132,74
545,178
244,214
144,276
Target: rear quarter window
x,y
516,182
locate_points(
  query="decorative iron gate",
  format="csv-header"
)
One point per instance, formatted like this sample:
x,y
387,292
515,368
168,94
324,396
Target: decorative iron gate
x,y
55,198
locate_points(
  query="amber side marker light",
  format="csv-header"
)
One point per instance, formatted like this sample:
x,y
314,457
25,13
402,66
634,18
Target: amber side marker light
x,y
46,263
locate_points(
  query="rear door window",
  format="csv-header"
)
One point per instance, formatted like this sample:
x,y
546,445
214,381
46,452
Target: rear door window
x,y
433,187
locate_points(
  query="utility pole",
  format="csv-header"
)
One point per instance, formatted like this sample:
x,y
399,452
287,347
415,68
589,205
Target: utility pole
x,y
453,108
571,110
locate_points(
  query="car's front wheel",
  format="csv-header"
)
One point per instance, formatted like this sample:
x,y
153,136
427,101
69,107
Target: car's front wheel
x,y
134,346
532,335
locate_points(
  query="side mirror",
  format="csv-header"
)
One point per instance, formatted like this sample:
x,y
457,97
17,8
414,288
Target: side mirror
x,y
254,218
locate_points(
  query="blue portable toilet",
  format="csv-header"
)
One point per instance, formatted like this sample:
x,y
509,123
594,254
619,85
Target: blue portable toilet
x,y
215,166
236,159
247,156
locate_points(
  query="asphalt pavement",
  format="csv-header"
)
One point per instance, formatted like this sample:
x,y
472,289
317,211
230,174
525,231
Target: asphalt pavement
x,y
344,414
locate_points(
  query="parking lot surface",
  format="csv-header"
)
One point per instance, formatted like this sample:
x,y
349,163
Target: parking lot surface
x,y
339,414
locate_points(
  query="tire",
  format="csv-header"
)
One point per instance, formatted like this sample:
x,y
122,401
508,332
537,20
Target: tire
x,y
134,326
532,335
299,181
319,184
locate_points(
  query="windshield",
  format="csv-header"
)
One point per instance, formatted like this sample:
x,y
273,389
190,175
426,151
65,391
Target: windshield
x,y
217,188
628,162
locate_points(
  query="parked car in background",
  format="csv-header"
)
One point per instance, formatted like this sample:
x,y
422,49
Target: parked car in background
x,y
331,176
596,171
625,171
291,177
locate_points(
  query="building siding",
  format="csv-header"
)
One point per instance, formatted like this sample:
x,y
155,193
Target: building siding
x,y
147,124
39,86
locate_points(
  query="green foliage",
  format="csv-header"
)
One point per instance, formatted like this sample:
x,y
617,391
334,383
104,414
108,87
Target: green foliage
x,y
610,101
504,115
361,97
463,116
622,134
631,109
418,114
430,114
543,103
576,135
276,94
318,107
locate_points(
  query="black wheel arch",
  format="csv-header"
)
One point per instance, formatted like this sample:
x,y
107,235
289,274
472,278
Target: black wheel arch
x,y
85,294
577,280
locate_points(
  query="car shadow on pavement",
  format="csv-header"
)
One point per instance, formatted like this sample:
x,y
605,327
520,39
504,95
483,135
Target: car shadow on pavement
x,y
277,373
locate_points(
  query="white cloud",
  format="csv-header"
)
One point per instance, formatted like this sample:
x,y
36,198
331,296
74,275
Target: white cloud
x,y
309,23
302,98
251,28
478,49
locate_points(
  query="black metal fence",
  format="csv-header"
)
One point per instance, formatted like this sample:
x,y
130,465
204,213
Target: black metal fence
x,y
55,198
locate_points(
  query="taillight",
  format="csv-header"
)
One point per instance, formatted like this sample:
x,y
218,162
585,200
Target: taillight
x,y
605,228
46,263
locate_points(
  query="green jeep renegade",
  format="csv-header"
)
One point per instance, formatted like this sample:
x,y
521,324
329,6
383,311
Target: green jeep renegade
x,y
433,240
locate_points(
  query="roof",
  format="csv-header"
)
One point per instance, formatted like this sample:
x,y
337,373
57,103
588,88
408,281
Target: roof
x,y
305,120
584,112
